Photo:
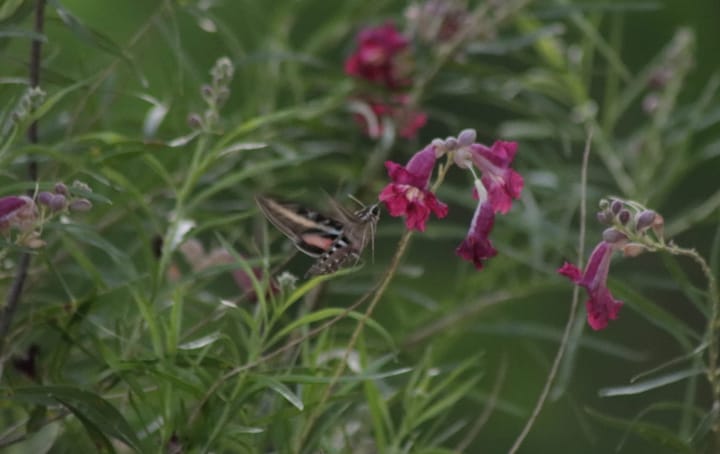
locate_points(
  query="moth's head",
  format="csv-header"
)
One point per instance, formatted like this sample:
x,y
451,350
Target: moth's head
x,y
371,213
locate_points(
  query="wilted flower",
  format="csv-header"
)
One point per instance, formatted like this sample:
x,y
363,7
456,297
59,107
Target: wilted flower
x,y
377,56
195,255
409,195
601,305
495,189
407,120
17,211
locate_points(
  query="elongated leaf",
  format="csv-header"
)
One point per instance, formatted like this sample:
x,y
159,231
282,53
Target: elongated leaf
x,y
281,389
647,385
651,432
330,313
90,407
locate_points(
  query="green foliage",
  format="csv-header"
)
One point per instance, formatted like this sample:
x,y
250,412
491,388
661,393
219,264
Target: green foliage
x,y
147,338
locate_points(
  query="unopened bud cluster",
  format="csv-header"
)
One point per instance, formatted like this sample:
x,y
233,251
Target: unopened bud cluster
x,y
29,102
214,94
633,228
61,198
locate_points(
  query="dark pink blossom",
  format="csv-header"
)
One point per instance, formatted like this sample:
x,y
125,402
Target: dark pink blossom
x,y
601,305
376,58
407,120
502,183
408,194
476,247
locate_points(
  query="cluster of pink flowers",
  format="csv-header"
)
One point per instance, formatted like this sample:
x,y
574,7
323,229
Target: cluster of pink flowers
x,y
382,58
409,193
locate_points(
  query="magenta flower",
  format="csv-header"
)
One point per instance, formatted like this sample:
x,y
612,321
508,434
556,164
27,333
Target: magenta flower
x,y
376,59
17,211
601,306
476,247
502,183
408,194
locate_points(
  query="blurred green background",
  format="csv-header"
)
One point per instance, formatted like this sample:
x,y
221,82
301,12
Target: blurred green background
x,y
511,314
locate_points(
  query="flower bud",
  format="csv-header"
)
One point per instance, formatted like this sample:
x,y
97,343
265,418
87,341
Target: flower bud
x,y
657,226
33,241
194,121
624,217
58,202
604,204
604,217
77,184
440,148
451,143
633,249
60,188
44,198
463,158
613,236
207,93
466,137
80,205
644,219
616,206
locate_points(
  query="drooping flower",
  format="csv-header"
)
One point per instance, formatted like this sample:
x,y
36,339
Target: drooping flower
x,y
476,247
408,194
373,117
495,189
195,255
601,305
377,56
17,211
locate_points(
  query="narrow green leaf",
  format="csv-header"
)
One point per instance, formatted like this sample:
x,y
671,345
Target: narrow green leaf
x,y
281,389
651,432
647,385
84,404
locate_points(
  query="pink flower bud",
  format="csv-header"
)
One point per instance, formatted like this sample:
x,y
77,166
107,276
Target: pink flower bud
x,y
614,236
466,137
58,202
644,219
44,198
633,249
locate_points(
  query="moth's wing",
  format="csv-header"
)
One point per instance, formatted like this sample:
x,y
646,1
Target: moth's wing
x,y
312,232
342,213
280,215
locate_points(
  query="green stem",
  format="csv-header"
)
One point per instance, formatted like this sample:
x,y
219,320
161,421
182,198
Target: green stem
x,y
711,334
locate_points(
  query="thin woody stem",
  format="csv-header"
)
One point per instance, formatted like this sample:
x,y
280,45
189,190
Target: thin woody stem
x,y
16,289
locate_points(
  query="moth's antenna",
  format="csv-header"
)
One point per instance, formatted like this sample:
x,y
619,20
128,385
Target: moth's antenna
x,y
355,199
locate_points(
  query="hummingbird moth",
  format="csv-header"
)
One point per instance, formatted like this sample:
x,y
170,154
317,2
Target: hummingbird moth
x,y
334,241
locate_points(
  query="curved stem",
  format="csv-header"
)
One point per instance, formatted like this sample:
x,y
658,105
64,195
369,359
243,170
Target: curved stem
x,y
711,334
